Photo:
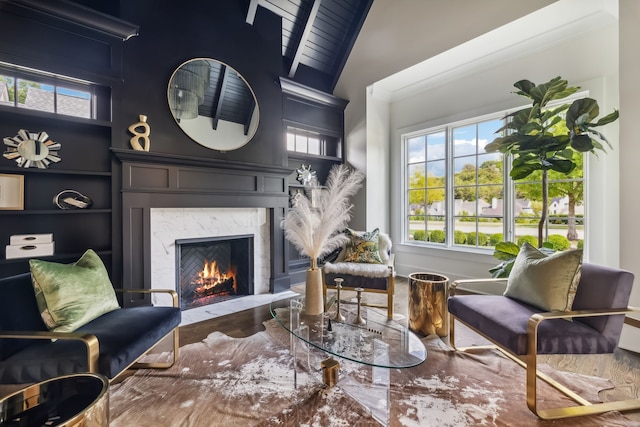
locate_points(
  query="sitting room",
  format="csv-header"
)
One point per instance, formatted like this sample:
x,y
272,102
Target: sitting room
x,y
270,212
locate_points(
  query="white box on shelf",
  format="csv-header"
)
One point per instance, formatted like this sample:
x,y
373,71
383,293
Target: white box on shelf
x,y
30,250
31,239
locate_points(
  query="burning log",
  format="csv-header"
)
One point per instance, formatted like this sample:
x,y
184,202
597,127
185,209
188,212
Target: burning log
x,y
213,287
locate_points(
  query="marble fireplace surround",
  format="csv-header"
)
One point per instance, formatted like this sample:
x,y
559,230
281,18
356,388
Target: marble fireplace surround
x,y
158,190
171,224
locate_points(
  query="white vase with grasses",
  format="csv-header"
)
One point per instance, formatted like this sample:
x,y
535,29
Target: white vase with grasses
x,y
315,228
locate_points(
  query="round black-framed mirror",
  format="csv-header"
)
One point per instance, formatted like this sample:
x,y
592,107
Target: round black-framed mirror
x,y
213,104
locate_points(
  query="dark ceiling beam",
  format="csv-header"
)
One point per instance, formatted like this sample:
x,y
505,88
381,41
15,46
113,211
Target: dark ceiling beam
x,y
247,117
253,8
304,37
80,15
218,99
251,12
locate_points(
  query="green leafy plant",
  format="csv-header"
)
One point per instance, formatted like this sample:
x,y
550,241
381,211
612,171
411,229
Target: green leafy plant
x,y
459,237
532,240
507,253
495,238
531,138
437,236
479,238
559,242
420,235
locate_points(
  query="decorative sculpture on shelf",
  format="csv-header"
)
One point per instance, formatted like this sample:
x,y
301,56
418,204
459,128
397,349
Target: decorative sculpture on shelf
x,y
72,199
31,149
139,136
306,176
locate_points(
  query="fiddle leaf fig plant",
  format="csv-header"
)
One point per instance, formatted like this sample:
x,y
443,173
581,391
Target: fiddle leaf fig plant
x,y
536,141
507,253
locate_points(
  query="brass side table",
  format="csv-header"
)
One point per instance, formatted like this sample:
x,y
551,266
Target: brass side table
x,y
428,294
78,400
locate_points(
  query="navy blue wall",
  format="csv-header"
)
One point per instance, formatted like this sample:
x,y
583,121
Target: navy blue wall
x,y
172,32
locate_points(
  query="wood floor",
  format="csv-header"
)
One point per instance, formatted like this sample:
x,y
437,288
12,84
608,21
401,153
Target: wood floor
x,y
621,367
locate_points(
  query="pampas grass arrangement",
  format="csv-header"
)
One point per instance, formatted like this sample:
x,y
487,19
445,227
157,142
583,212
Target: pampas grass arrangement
x,y
315,230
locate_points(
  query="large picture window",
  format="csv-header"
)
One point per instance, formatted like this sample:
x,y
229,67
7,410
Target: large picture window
x,y
459,196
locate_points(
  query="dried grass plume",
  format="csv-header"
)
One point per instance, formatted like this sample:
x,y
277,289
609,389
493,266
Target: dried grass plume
x,y
315,231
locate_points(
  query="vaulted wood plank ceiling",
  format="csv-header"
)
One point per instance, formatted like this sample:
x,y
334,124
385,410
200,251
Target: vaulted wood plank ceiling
x,y
317,36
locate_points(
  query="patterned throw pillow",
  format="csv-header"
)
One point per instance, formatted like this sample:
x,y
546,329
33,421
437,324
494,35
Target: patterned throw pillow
x,y
547,282
362,247
72,295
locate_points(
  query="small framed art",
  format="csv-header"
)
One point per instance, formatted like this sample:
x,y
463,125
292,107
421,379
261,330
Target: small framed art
x,y
11,192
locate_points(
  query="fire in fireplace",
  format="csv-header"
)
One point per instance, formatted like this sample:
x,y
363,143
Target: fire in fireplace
x,y
213,269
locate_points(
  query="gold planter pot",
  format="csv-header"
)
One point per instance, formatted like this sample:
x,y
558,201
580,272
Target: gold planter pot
x,y
428,294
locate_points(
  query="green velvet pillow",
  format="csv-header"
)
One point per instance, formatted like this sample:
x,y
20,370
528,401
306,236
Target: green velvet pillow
x,y
547,282
72,295
362,247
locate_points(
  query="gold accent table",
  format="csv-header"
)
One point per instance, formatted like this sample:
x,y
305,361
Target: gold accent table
x,y
428,294
78,400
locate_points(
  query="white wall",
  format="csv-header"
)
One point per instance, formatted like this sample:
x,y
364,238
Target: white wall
x,y
485,91
630,154
398,34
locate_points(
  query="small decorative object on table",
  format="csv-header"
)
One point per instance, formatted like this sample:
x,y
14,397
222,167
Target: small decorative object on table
x,y
339,316
32,149
359,320
315,230
140,135
72,199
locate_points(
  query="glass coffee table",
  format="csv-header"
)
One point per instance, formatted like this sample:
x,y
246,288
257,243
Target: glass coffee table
x,y
363,335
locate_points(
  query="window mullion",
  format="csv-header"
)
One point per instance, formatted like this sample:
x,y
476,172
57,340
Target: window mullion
x,y
449,188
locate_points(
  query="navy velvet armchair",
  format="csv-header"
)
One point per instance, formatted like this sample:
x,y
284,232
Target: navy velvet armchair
x,y
107,345
522,331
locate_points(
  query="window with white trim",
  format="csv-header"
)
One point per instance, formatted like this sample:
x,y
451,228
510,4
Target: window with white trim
x,y
41,91
313,143
459,196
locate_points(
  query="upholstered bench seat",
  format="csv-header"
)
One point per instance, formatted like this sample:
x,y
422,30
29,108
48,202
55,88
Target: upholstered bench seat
x,y
505,321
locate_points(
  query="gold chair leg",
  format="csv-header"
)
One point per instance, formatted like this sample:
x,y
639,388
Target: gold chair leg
x,y
585,408
175,338
390,292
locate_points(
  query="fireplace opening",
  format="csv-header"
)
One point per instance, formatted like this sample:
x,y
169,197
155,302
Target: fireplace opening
x,y
213,269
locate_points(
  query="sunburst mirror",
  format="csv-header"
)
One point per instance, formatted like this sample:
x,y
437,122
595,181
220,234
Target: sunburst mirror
x,y
30,149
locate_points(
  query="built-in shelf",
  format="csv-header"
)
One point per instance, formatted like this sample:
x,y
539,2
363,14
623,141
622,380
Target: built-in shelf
x,y
44,115
56,212
85,166
55,257
50,170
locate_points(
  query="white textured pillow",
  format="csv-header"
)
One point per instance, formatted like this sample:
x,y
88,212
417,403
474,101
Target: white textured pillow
x,y
547,282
